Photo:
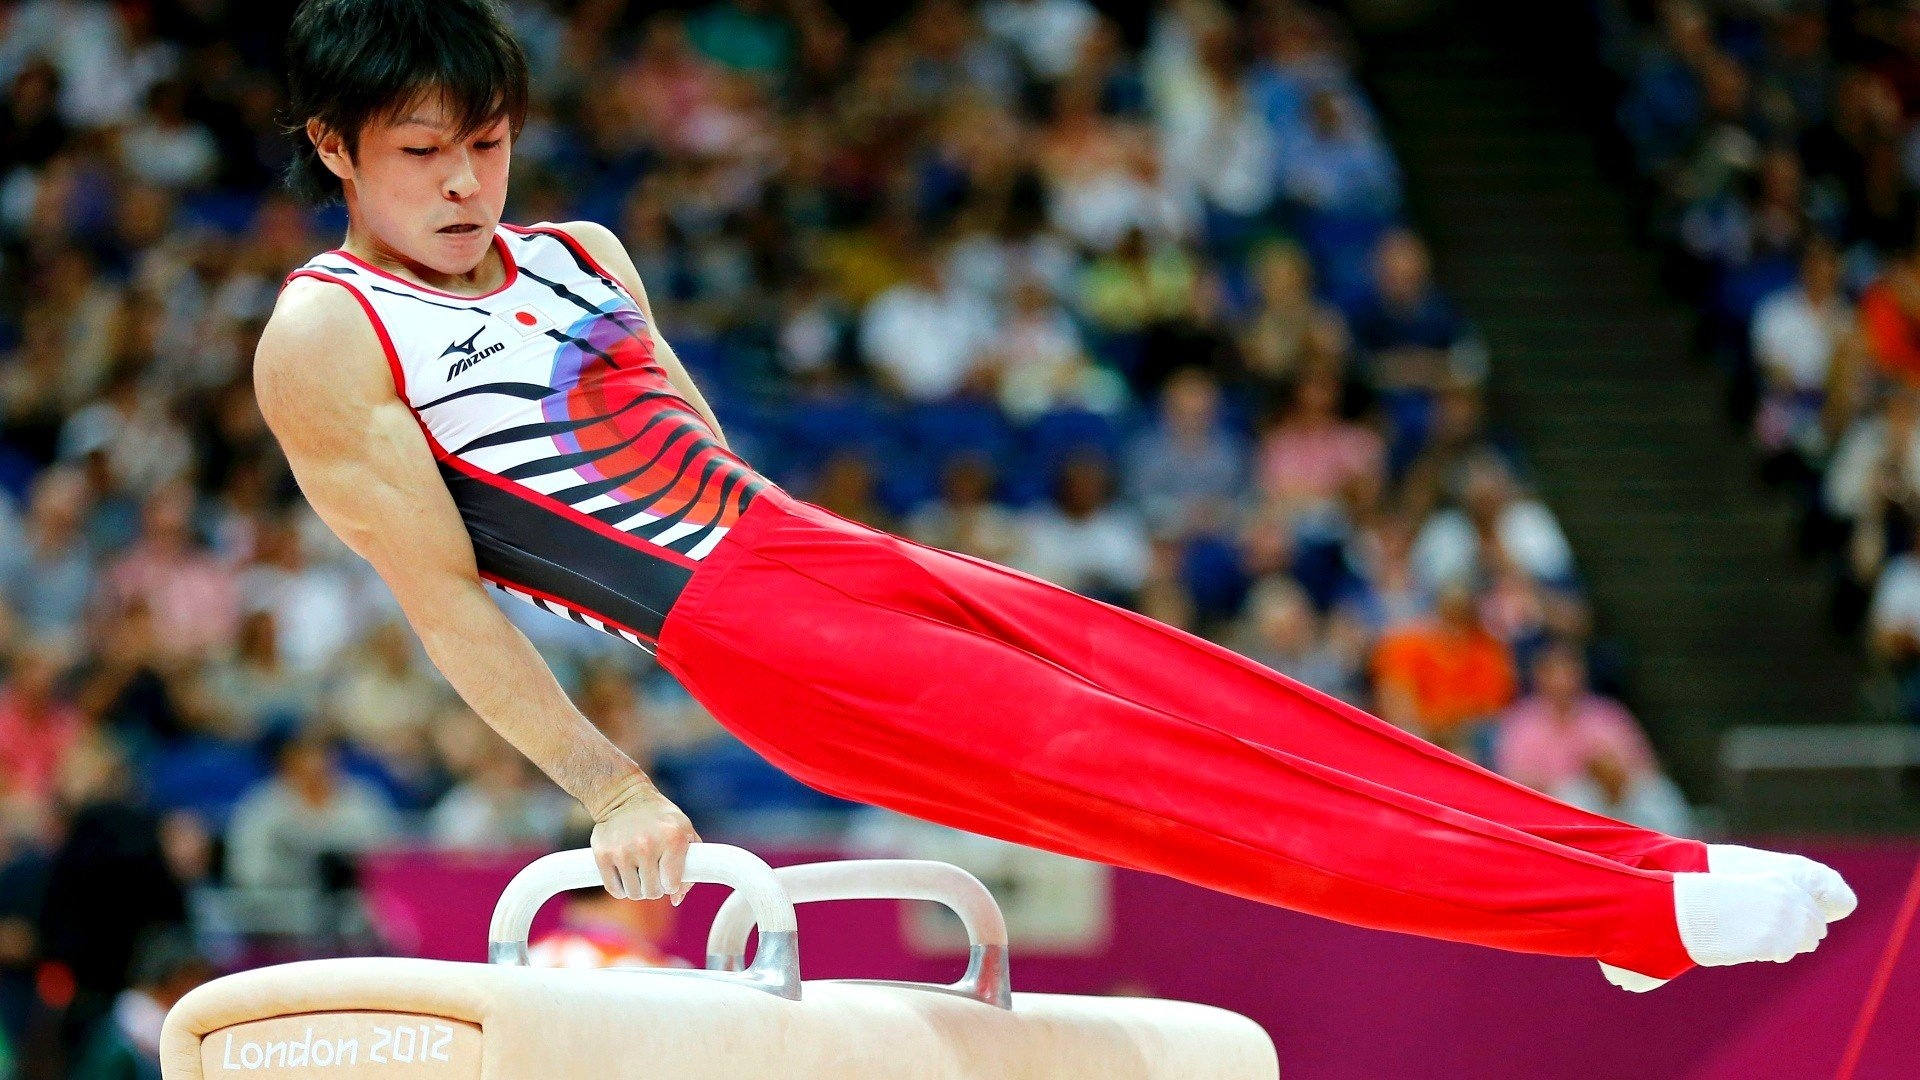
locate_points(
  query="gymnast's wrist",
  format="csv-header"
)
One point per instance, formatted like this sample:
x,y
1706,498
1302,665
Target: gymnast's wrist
x,y
634,784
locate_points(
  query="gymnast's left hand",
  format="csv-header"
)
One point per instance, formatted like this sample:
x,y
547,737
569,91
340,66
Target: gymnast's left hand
x,y
640,844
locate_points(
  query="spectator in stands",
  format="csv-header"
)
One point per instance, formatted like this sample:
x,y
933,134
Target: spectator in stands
x,y
251,689
597,930
1447,678
1796,334
165,147
1873,482
1585,749
1408,330
1289,329
187,590
503,803
1186,473
384,698
1284,632
108,885
965,518
1081,540
1856,150
33,404
1103,177
315,605
46,578
1135,287
1890,310
1039,362
308,810
125,1045
1312,454
926,339
1893,621
1336,163
1047,34
1495,526
1391,593
130,685
38,726
1217,142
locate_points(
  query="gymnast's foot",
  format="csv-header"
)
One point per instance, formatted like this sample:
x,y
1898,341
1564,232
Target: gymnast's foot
x,y
1727,918
1826,886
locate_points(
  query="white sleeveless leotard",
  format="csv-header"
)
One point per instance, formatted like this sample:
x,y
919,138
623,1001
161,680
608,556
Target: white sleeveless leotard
x,y
589,486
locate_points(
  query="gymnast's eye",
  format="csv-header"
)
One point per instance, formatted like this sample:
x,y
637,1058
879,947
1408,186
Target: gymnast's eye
x,y
488,145
419,151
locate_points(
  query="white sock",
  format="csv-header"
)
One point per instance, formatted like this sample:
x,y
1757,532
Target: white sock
x,y
1729,918
1829,889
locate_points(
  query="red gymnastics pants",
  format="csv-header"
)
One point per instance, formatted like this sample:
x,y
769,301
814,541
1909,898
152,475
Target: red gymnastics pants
x,y
958,691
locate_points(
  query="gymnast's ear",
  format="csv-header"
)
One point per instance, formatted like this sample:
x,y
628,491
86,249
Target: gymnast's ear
x,y
331,148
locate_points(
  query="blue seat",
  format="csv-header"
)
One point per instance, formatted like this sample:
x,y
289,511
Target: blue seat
x,y
724,775
1057,435
1212,570
816,428
204,776
936,430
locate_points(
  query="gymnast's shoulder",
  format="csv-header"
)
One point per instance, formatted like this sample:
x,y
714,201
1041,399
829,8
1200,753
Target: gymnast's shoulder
x,y
318,347
606,251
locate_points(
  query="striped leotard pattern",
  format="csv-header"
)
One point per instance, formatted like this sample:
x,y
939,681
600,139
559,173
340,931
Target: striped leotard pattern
x,y
587,483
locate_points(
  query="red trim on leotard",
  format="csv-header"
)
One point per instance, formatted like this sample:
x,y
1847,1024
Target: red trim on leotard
x,y
380,328
579,249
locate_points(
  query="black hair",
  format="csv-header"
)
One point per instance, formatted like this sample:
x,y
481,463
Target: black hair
x,y
351,62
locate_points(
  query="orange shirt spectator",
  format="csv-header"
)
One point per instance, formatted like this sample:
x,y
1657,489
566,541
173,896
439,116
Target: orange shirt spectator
x,y
1890,321
1439,678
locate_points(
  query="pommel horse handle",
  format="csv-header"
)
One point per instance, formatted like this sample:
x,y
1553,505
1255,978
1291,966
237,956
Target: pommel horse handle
x,y
987,979
776,966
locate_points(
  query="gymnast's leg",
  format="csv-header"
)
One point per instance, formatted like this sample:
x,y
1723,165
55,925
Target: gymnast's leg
x,y
838,656
1166,667
1170,669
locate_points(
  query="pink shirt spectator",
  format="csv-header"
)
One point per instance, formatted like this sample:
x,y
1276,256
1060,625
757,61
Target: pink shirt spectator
x,y
33,745
194,597
1546,751
1315,461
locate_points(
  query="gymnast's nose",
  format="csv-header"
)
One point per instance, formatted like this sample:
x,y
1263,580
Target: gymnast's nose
x,y
462,183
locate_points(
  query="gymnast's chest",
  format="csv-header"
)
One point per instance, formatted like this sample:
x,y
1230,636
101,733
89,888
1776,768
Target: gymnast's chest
x,y
523,362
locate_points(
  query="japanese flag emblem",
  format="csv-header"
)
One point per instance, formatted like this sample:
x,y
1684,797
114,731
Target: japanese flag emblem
x,y
528,319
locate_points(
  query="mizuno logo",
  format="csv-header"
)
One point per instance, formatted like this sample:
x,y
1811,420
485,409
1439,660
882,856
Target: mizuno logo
x,y
468,353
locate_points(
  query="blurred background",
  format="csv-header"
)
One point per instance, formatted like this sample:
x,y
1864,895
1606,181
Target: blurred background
x,y
1545,381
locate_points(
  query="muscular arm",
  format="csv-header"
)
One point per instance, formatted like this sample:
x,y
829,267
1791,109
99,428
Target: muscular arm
x,y
607,250
365,466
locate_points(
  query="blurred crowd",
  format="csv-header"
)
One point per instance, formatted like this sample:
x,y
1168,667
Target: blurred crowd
x,y
1776,147
1129,304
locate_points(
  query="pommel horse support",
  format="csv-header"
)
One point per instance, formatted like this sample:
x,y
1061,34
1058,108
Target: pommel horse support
x,y
383,1018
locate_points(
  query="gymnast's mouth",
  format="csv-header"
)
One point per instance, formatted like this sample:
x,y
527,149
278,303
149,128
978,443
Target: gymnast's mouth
x,y
460,230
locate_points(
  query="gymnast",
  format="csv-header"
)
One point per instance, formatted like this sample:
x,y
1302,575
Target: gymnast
x,y
470,403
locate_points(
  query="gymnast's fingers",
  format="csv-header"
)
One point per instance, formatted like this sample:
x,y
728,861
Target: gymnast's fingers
x,y
673,867
631,880
609,877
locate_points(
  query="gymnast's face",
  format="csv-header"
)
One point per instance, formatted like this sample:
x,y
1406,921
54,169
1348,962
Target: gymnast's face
x,y
422,192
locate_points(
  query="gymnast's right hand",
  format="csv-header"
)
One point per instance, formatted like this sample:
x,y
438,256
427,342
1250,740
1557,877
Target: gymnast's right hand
x,y
640,844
